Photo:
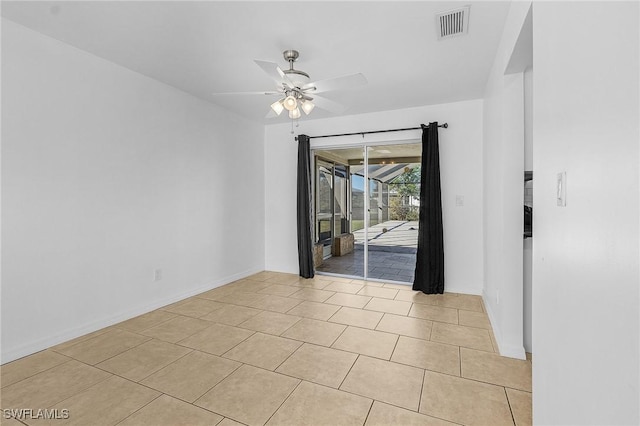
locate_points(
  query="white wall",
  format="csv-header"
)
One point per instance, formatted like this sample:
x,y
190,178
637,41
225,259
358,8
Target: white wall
x,y
586,255
461,172
503,189
106,176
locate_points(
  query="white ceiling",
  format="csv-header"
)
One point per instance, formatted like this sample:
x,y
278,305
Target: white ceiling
x,y
203,47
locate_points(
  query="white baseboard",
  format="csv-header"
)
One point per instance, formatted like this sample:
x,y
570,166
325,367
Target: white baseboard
x,y
71,333
505,349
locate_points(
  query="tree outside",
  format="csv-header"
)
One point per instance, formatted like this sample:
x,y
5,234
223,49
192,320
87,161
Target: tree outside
x,y
404,191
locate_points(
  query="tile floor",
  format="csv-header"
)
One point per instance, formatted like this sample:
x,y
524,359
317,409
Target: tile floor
x,y
279,350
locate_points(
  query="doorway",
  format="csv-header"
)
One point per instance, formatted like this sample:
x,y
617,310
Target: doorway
x,y
366,203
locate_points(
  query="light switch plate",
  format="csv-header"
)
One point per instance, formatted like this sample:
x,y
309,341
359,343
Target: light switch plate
x,y
561,189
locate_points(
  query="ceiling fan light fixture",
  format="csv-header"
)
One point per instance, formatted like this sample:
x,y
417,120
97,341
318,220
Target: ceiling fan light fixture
x,y
307,107
290,103
294,114
277,106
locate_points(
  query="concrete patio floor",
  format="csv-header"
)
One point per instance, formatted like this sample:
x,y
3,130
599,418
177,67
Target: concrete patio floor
x,y
392,254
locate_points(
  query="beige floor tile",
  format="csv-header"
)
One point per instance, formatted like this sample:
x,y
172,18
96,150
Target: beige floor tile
x,y
496,369
279,290
216,339
407,326
166,410
311,404
367,342
191,376
314,310
469,337
434,313
403,287
464,401
176,329
196,307
382,414
178,303
270,322
318,364
145,321
474,319
141,361
10,422
52,386
231,314
350,300
106,403
241,298
312,331
261,276
20,369
332,278
229,422
494,343
104,346
391,306
344,287
314,283
357,317
249,286
450,300
419,297
275,303
217,293
429,355
385,293
520,403
284,279
65,345
250,395
467,302
385,381
312,295
369,283
263,350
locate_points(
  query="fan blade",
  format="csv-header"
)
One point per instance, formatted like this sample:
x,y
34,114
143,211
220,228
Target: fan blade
x,y
268,93
275,72
328,105
337,83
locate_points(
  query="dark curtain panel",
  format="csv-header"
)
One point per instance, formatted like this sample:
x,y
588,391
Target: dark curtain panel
x,y
305,244
429,275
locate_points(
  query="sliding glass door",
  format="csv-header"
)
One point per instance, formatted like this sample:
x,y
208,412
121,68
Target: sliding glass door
x,y
365,203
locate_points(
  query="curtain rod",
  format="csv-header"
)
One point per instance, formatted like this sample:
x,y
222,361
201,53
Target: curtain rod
x,y
422,126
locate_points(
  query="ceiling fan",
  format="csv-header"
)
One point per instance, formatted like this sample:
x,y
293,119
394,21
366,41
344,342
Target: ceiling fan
x,y
297,92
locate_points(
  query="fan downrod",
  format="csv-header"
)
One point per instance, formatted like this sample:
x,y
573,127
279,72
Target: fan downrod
x,y
291,56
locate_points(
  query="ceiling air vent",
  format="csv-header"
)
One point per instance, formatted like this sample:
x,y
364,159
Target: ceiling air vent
x,y
452,23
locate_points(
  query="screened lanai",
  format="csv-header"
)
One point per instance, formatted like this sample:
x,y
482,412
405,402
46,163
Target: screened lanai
x,y
382,243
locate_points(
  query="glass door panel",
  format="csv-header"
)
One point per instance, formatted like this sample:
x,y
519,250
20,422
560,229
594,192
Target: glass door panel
x,y
324,206
394,191
366,210
340,200
339,214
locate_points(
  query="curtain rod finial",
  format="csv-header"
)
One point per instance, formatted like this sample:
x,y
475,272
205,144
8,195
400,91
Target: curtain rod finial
x,y
445,125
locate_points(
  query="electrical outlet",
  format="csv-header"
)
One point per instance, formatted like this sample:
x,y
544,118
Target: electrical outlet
x,y
157,275
498,297
459,200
